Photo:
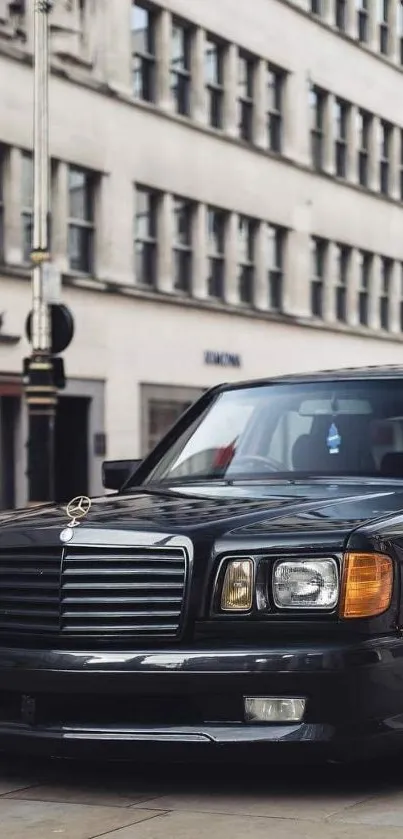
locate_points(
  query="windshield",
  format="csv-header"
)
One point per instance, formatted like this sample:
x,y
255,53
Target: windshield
x,y
352,428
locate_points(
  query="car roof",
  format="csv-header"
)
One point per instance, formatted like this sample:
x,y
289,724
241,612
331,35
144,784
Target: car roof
x,y
391,371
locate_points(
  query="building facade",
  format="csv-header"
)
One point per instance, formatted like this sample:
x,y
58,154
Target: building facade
x,y
226,203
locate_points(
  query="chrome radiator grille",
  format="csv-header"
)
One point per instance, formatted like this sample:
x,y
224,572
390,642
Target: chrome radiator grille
x,y
125,592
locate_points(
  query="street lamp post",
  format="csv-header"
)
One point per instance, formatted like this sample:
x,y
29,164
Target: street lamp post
x,y
41,392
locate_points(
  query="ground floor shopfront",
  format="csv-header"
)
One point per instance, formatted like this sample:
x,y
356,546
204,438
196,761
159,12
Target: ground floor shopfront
x,y
135,364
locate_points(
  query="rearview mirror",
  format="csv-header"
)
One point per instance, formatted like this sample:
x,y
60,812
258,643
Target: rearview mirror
x,y
116,472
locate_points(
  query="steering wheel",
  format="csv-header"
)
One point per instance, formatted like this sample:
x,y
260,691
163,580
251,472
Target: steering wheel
x,y
269,462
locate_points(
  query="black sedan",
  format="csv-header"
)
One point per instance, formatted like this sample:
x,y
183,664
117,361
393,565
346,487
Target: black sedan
x,y
239,592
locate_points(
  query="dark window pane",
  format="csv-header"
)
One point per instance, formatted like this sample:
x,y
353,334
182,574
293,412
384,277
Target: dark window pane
x,y
145,256
27,180
182,221
80,248
245,77
182,270
363,308
245,120
216,222
213,63
80,195
180,47
245,280
143,40
215,107
27,231
215,282
143,78
180,89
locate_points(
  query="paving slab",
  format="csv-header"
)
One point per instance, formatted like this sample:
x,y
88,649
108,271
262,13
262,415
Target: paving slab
x,y
76,792
267,804
207,826
382,811
44,820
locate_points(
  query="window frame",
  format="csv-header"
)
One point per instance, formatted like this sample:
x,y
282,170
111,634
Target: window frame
x,y
364,286
318,127
385,141
216,259
342,282
385,292
363,22
83,224
275,114
150,241
181,90
182,252
246,101
363,148
215,89
340,15
341,137
147,58
246,262
276,241
384,28
319,254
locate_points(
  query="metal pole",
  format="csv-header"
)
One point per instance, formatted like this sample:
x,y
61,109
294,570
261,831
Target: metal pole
x,y
41,394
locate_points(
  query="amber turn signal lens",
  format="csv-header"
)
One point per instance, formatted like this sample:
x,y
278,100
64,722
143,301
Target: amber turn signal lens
x,y
366,586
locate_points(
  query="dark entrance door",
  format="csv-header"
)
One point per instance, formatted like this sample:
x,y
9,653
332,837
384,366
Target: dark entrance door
x,y
71,448
9,410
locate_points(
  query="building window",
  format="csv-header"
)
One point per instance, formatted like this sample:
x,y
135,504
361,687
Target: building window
x,y
316,7
385,137
275,241
319,254
246,259
246,74
401,298
401,164
343,268
2,163
383,21
216,230
340,15
180,67
275,106
341,116
362,20
366,260
143,52
399,24
214,76
386,281
183,214
161,407
27,204
146,236
317,109
364,123
81,219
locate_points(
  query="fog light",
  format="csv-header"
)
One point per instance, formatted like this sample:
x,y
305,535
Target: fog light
x,y
237,590
273,709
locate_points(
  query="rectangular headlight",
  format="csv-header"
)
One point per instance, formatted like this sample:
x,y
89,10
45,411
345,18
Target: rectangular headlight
x,y
237,590
306,584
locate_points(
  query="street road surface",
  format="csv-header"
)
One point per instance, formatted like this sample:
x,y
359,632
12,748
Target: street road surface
x,y
45,800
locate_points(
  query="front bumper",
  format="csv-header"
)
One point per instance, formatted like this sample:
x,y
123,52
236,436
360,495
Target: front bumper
x,y
189,702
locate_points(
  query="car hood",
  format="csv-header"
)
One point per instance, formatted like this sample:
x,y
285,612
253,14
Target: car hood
x,y
324,512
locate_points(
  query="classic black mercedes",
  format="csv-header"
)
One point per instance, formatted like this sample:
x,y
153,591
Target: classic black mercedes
x,y
239,594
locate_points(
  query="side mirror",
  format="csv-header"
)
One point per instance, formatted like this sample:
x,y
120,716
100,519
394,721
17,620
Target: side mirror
x,y
116,472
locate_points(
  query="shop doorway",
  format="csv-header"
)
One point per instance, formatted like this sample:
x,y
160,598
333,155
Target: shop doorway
x,y
72,448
